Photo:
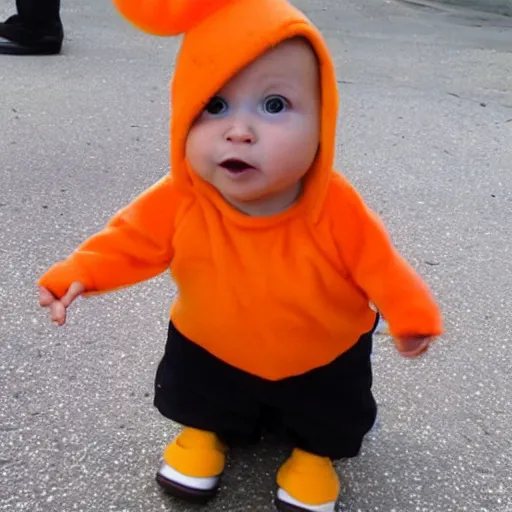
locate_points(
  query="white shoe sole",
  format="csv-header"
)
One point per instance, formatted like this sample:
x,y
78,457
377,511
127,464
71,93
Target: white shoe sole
x,y
190,482
285,498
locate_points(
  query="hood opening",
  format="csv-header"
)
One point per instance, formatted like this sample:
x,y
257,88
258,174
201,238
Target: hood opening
x,y
216,50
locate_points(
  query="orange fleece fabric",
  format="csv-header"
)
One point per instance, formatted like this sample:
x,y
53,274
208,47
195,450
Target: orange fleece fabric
x,y
273,296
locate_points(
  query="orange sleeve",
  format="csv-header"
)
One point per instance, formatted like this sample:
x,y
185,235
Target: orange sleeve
x,y
381,272
135,245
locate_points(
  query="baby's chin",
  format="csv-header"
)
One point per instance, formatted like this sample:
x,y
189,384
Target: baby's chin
x,y
245,200
243,192
254,193
260,205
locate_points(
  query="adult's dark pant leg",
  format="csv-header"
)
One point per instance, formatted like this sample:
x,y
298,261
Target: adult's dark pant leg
x,y
36,29
39,14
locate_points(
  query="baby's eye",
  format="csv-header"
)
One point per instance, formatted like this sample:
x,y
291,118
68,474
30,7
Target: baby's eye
x,y
275,104
216,106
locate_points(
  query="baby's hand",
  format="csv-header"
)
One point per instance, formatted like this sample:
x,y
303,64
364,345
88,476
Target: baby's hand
x,y
413,346
57,306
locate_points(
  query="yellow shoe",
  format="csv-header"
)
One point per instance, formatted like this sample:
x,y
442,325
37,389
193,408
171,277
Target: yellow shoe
x,y
307,482
192,465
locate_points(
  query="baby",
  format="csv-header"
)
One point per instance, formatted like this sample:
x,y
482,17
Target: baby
x,y
275,256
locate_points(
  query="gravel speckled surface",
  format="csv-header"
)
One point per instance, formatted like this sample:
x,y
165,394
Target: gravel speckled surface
x,y
425,134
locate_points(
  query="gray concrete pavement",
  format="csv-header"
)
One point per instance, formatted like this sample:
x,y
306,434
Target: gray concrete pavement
x,y
503,7
425,133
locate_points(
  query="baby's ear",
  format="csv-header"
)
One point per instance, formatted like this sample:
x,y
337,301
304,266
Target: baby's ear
x,y
167,17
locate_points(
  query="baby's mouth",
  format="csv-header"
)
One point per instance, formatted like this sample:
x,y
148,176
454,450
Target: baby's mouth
x,y
235,166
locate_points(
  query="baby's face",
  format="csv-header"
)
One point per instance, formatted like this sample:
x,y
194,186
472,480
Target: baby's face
x,y
258,137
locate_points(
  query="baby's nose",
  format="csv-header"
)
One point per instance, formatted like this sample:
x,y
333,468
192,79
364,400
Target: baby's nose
x,y
240,132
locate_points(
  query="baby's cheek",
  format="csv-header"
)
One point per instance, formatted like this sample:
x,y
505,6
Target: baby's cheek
x,y
196,150
191,144
304,151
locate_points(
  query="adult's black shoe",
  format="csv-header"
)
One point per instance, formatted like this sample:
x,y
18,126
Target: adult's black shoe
x,y
18,39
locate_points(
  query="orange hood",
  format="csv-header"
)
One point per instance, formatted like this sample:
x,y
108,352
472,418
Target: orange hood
x,y
220,38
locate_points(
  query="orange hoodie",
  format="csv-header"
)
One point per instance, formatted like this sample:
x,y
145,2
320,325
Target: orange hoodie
x,y
274,296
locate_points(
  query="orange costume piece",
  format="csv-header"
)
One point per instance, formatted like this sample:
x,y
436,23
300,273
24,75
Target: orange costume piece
x,y
273,296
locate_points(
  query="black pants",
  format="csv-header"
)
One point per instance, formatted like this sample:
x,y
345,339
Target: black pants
x,y
39,14
326,411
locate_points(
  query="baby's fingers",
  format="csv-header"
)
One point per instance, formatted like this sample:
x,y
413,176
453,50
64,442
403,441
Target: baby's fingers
x,y
57,313
73,292
414,347
46,297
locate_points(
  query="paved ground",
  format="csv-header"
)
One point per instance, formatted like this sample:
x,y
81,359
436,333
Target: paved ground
x,y
497,6
426,134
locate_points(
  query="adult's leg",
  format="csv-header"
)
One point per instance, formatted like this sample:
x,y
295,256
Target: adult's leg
x,y
39,13
36,29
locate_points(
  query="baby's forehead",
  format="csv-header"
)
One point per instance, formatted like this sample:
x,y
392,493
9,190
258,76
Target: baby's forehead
x,y
296,48
291,61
